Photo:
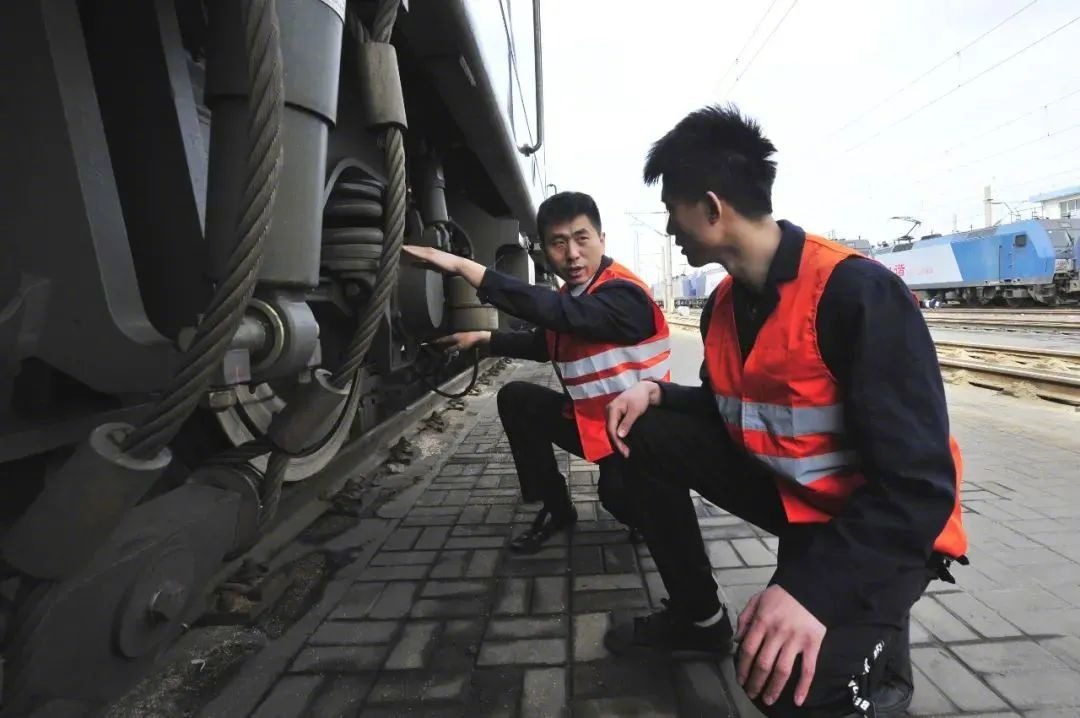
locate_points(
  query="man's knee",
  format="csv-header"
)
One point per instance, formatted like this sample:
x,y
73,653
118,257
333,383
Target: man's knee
x,y
830,694
513,395
615,493
644,436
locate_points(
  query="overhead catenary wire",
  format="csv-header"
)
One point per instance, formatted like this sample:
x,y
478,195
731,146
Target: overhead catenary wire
x,y
962,204
1026,143
996,154
963,84
959,199
750,62
995,128
749,39
1006,123
936,67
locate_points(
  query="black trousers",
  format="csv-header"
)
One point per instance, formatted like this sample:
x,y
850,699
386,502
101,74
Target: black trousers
x,y
672,453
532,417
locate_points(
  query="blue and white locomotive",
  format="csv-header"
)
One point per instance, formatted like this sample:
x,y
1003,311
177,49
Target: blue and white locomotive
x,y
1030,262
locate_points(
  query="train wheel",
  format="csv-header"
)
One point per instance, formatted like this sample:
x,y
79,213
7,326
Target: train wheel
x,y
255,409
255,406
77,643
1017,302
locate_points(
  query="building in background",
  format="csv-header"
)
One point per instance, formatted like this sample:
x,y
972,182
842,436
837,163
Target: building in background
x,y
1060,204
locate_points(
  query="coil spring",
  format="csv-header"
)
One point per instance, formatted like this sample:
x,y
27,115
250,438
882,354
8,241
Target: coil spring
x,y
352,236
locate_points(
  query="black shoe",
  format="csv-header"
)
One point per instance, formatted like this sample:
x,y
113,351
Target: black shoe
x,y
546,524
667,630
893,694
892,698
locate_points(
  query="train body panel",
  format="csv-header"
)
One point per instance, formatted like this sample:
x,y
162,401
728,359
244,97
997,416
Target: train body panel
x,y
711,280
1029,260
131,194
108,316
505,34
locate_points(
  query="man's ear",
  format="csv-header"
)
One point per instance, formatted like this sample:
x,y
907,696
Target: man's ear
x,y
714,208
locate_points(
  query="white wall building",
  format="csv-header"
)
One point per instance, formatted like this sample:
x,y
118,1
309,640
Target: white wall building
x,y
1060,204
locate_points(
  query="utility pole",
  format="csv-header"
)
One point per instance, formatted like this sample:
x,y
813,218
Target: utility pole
x,y
665,259
637,253
669,299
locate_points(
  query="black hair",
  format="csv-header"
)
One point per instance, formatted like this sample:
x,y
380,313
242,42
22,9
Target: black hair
x,y
563,207
716,149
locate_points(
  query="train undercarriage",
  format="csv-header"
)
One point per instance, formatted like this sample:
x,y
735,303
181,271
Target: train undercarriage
x,y
203,209
1061,293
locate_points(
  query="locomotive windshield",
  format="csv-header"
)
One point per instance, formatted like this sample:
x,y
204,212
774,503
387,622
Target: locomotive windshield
x,y
1061,238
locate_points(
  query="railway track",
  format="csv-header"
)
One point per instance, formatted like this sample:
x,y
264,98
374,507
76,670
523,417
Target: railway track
x,y
1021,320
1049,374
1009,321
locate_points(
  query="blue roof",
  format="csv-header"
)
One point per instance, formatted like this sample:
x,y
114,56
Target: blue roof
x,y
1056,194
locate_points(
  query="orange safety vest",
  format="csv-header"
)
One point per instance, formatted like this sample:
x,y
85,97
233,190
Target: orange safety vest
x,y
593,373
784,406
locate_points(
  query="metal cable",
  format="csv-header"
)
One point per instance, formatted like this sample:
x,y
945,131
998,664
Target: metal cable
x,y
248,451
393,141
271,489
385,17
386,277
266,100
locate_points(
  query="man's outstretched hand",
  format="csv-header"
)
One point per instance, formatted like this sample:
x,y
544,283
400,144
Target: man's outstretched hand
x,y
440,261
433,258
626,408
463,341
774,629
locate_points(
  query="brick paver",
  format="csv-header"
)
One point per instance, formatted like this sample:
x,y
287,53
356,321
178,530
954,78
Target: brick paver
x,y
443,620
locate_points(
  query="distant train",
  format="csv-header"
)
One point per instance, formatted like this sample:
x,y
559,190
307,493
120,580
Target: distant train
x,y
1020,264
1034,262
691,290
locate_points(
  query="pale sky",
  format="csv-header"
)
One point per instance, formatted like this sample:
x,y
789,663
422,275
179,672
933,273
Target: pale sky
x,y
831,87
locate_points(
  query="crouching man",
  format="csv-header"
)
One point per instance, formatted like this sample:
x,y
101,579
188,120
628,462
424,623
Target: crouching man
x,y
602,332
821,418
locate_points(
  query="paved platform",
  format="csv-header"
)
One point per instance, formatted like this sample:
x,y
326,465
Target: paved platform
x,y
436,618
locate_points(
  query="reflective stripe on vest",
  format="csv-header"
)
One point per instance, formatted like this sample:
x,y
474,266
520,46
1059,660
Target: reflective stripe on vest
x,y
594,372
791,422
616,383
636,354
808,469
782,405
781,420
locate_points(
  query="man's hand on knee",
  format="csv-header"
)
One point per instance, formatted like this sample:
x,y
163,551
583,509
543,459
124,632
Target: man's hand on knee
x,y
774,630
626,408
